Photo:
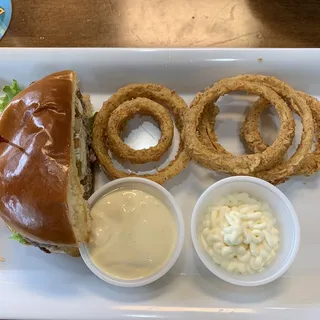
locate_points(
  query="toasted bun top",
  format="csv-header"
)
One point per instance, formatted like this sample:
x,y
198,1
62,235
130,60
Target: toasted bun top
x,y
34,184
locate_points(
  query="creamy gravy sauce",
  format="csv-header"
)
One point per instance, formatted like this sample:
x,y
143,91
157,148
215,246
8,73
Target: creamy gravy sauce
x,y
133,234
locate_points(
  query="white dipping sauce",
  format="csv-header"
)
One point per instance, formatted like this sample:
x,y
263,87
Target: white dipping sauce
x,y
133,234
239,234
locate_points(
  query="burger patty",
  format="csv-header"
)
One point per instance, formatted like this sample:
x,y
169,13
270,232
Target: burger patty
x,y
50,248
82,145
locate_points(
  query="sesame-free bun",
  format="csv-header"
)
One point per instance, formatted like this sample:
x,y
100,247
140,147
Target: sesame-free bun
x,y
41,195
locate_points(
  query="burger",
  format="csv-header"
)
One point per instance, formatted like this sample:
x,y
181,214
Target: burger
x,y
45,164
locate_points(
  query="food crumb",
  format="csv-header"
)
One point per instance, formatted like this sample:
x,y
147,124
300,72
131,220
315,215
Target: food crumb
x,y
260,59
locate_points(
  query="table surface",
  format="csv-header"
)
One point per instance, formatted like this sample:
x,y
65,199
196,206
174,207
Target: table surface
x,y
164,23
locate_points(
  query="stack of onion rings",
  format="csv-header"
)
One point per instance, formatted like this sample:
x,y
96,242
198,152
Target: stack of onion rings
x,y
253,139
267,162
196,126
151,99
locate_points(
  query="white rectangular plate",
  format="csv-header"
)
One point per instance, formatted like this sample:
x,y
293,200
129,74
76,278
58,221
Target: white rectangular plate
x,y
36,285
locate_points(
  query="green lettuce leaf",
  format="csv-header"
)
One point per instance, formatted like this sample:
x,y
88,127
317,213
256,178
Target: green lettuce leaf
x,y
9,93
91,121
16,236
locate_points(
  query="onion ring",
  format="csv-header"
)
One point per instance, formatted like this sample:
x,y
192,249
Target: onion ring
x,y
205,130
128,110
244,164
282,170
252,137
158,93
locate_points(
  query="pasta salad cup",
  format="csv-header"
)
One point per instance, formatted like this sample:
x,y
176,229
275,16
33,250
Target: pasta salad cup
x,y
245,231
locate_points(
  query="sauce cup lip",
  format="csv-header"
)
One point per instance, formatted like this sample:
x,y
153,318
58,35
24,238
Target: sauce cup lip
x,y
213,267
113,185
